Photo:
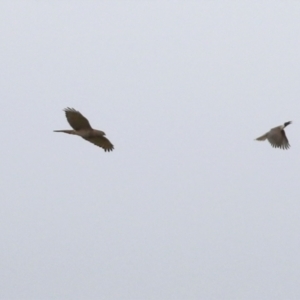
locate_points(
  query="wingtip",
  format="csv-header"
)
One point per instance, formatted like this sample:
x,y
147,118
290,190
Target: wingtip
x,y
69,109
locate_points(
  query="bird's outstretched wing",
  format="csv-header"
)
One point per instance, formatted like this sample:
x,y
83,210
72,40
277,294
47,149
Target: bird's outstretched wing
x,y
102,142
76,119
279,141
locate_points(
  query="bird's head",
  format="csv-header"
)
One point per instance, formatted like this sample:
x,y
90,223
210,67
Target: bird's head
x,y
287,123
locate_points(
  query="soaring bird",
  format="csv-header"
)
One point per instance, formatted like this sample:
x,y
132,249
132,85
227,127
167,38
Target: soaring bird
x,y
82,127
276,136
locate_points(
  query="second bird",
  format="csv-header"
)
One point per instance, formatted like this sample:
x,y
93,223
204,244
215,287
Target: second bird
x,y
276,136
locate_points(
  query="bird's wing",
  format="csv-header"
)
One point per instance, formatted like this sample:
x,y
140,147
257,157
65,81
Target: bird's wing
x,y
76,119
263,137
102,142
279,140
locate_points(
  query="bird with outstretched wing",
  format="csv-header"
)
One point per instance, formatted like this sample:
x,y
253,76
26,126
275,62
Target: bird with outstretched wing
x,y
82,128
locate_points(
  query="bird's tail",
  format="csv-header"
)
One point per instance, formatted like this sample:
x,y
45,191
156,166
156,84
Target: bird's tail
x,y
262,138
66,131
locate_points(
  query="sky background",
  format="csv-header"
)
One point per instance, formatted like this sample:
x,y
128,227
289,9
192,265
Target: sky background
x,y
188,206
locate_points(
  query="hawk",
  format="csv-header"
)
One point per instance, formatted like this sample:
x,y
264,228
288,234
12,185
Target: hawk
x,y
82,128
276,136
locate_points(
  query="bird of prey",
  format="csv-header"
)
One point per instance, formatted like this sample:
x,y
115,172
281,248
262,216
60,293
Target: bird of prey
x,y
276,136
82,128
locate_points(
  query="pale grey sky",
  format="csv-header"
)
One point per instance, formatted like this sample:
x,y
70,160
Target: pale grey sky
x,y
188,206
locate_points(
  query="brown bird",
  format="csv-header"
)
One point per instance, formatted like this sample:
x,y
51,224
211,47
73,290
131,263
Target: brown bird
x,y
82,127
276,136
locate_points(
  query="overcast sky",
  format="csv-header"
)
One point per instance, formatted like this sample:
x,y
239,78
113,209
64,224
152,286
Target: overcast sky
x,y
188,206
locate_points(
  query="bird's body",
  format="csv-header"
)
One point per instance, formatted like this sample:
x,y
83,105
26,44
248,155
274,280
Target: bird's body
x,y
276,137
83,129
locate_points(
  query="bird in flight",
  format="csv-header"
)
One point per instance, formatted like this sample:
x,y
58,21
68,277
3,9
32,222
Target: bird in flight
x,y
82,128
276,136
